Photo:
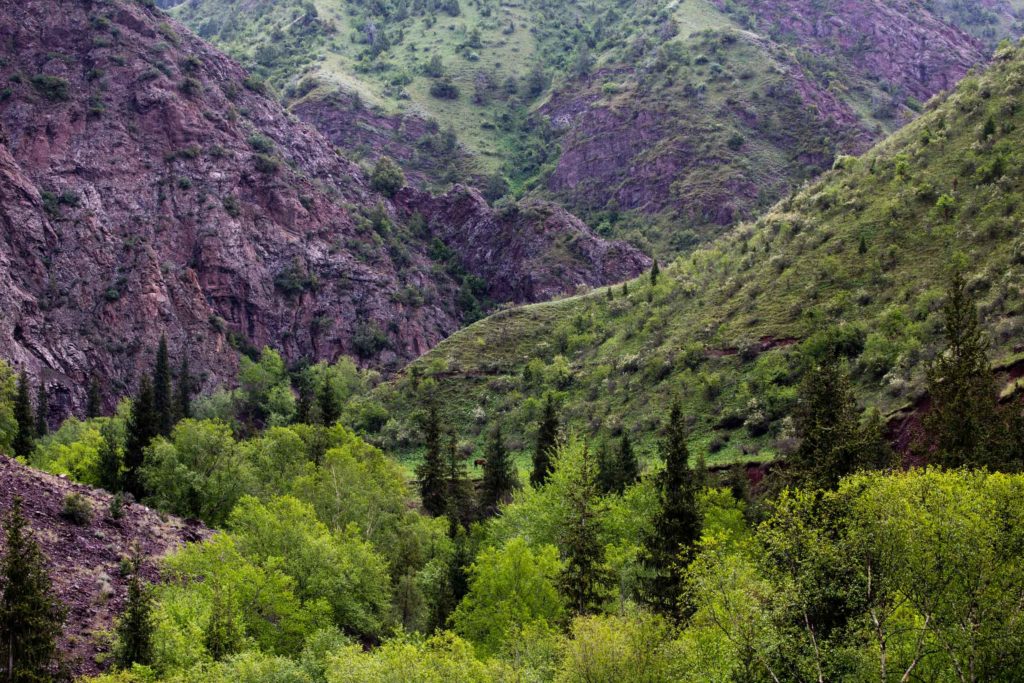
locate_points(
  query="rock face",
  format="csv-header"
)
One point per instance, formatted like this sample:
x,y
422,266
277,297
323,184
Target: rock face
x,y
149,187
750,111
527,252
84,561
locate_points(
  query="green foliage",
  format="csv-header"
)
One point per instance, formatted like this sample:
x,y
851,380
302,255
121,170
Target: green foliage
x,y
547,437
134,629
584,576
52,88
24,436
431,473
387,177
31,617
162,405
499,478
76,509
142,427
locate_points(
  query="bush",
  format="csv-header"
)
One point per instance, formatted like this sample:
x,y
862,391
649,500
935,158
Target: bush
x,y
76,509
387,177
444,89
51,87
267,164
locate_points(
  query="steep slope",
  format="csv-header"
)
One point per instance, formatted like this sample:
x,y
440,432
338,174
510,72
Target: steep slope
x,y
151,187
991,21
85,560
661,122
856,263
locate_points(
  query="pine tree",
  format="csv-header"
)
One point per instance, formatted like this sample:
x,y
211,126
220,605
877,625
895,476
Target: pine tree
x,y
828,425
677,522
143,426
94,401
31,616
607,469
583,578
183,392
628,467
135,627
499,478
110,459
547,437
431,471
610,294
458,495
304,404
655,271
42,411
162,389
625,289
327,401
24,439
962,427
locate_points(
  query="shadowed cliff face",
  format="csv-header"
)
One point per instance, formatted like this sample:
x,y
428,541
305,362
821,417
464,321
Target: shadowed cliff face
x,y
149,188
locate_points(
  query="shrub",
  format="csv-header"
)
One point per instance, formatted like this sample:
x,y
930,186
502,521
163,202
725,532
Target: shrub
x,y
231,205
368,339
76,509
51,87
261,143
444,89
387,177
190,86
267,164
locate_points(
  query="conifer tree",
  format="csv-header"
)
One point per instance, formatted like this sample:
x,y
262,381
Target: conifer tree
x,y
93,402
24,439
183,392
625,289
31,616
222,637
162,389
610,294
827,423
655,271
607,469
547,437
143,426
458,495
327,401
962,425
431,471
677,522
110,459
627,467
42,410
135,627
304,404
499,478
583,577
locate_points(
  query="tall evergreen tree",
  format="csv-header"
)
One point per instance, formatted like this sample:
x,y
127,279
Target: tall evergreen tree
x,y
222,636
677,522
962,427
828,425
547,439
183,391
583,578
607,468
499,478
655,271
458,494
94,401
24,439
42,410
162,405
135,627
327,401
431,471
143,426
627,467
31,616
110,458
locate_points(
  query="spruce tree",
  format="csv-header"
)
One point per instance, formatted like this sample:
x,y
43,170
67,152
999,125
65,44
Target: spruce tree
x,y
499,478
42,410
24,440
655,271
94,401
583,578
827,423
31,616
222,637
162,405
962,427
458,494
110,459
183,392
607,469
431,472
143,426
677,522
135,627
327,401
627,467
547,438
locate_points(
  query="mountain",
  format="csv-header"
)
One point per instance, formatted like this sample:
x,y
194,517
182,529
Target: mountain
x,y
149,186
85,559
662,123
854,264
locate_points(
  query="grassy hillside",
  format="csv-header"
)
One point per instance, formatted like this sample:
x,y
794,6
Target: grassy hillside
x,y
855,262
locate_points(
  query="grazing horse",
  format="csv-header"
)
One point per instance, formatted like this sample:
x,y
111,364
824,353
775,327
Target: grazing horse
x,y
479,462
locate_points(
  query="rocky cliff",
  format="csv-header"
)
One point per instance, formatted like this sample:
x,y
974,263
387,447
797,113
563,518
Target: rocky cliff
x,y
150,187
